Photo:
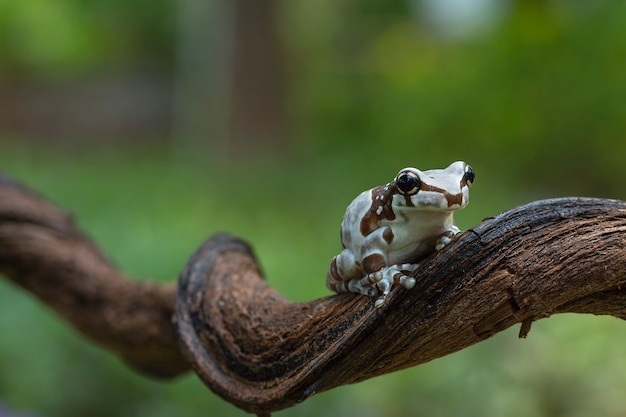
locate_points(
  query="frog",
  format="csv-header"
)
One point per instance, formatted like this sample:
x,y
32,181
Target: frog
x,y
388,230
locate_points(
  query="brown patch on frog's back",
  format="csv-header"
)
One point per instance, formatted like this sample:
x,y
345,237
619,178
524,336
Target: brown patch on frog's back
x,y
388,235
381,202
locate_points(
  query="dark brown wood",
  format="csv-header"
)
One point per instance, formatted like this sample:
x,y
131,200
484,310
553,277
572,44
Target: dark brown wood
x,y
263,353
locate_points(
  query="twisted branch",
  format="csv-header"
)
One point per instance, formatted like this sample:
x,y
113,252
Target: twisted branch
x,y
263,353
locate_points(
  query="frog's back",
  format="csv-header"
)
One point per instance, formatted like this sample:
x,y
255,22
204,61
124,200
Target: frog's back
x,y
351,233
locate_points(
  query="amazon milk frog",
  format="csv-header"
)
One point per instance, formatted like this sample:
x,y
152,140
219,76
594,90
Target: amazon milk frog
x,y
388,229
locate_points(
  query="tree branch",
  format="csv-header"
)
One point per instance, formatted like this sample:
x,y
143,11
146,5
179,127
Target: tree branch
x,y
262,352
42,251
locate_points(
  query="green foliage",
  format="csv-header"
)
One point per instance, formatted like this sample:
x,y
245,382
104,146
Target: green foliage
x,y
547,86
51,39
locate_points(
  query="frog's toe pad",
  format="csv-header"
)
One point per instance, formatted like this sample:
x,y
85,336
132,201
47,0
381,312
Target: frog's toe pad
x,y
407,282
371,278
409,267
446,238
442,242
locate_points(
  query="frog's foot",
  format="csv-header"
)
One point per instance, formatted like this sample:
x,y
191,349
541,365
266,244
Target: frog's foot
x,y
446,237
405,280
356,285
386,277
391,274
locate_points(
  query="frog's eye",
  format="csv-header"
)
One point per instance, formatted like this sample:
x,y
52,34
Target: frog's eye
x,y
469,176
408,183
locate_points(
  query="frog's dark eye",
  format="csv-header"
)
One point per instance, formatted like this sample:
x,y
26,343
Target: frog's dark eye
x,y
469,176
408,183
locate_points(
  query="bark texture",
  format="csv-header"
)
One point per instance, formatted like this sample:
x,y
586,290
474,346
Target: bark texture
x,y
263,353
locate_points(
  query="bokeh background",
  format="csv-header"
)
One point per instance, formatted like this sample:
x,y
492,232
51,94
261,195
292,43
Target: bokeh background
x,y
160,122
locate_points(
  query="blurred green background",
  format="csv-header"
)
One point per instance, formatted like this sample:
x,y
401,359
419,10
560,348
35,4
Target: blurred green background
x,y
158,123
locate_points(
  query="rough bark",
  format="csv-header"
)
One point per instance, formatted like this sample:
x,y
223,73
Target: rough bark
x,y
262,352
42,251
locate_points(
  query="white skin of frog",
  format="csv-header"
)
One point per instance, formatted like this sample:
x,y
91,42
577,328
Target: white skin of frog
x,y
416,231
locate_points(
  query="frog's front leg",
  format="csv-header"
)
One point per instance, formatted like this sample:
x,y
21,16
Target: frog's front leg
x,y
446,237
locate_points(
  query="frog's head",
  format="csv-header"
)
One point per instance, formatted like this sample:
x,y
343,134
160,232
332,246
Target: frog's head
x,y
436,189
